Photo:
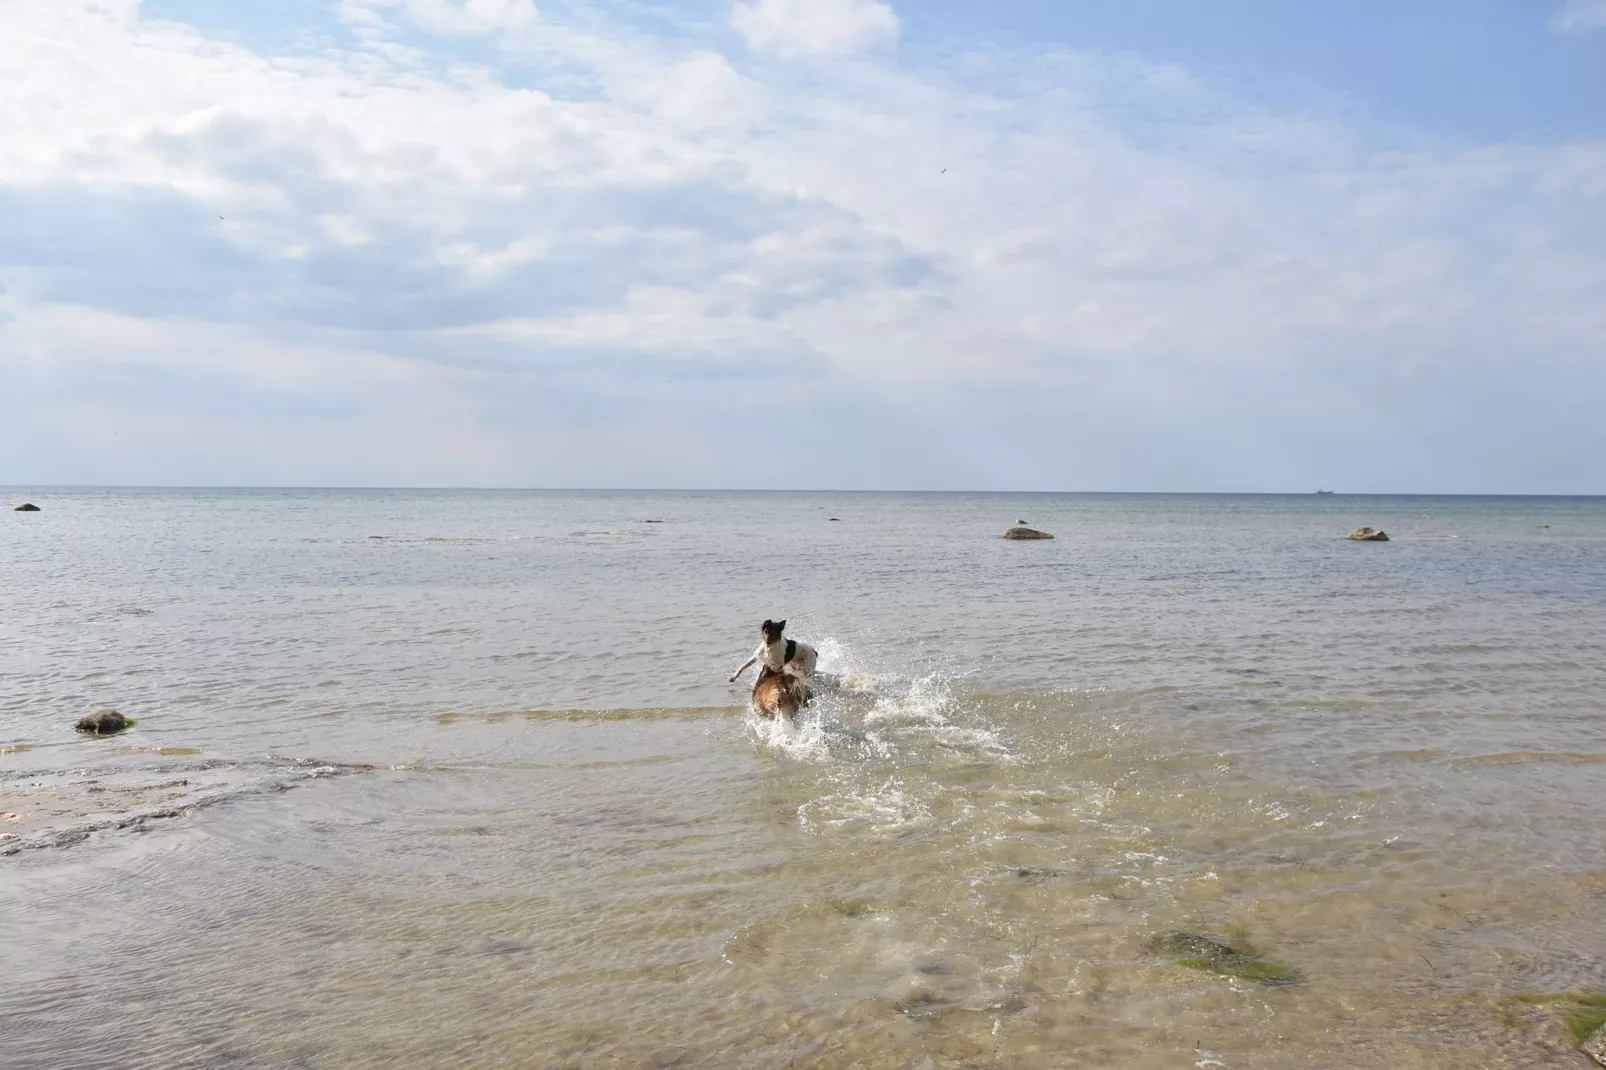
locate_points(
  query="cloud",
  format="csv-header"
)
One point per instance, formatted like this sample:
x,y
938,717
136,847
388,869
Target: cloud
x,y
476,244
466,17
814,27
1581,16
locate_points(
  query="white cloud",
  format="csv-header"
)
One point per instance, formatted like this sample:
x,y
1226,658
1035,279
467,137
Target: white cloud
x,y
446,16
655,238
1581,16
814,27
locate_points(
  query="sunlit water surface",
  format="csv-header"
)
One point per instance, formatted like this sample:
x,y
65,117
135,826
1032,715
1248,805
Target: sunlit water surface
x,y
1383,765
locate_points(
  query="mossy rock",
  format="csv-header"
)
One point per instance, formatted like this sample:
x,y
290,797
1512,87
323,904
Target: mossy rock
x,y
1197,952
1595,1046
103,722
1024,533
1584,1013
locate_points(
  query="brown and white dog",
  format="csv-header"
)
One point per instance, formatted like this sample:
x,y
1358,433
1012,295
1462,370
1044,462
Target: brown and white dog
x,y
779,694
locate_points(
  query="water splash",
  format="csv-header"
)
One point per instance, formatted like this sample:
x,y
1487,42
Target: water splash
x,y
863,712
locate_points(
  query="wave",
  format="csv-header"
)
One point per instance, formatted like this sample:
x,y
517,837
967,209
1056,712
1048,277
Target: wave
x,y
654,713
1523,757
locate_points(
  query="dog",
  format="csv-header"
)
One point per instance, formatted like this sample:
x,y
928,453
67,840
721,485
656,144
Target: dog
x,y
780,655
779,694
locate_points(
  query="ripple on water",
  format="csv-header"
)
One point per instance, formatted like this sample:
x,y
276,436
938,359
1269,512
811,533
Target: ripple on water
x,y
1382,770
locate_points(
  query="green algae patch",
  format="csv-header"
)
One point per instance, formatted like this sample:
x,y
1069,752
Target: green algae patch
x,y
1260,971
1584,1012
1194,952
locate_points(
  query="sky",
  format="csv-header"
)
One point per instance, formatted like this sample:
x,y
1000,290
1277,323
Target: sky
x,y
1147,245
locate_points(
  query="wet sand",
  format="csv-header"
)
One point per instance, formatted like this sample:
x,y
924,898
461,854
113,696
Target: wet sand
x,y
59,808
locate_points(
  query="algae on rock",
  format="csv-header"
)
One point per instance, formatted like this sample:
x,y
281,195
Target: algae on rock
x,y
1197,952
1585,1015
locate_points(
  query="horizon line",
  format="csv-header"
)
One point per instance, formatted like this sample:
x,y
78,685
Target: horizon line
x,y
48,487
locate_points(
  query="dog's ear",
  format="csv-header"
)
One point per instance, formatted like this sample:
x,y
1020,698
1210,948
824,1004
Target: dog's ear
x,y
767,625
781,626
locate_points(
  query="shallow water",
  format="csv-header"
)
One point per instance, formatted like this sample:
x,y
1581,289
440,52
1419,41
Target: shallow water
x,y
1383,765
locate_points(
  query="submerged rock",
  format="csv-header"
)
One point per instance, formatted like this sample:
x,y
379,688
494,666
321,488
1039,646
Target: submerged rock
x,y
1367,535
26,507
102,722
73,810
1585,1016
1029,873
1595,1046
1026,533
1202,953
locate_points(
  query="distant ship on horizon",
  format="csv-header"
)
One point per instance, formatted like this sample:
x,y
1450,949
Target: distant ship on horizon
x,y
1324,492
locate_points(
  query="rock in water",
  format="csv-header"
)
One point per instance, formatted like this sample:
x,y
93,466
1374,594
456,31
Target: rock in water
x,y
1026,533
103,722
26,507
1584,1015
1595,1046
1202,953
1367,535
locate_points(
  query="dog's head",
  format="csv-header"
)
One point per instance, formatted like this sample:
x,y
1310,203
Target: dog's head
x,y
772,630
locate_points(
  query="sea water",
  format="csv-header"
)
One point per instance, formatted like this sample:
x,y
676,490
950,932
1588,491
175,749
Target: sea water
x,y
453,778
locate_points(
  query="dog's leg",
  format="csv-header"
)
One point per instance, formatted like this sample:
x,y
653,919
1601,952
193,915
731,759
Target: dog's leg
x,y
743,669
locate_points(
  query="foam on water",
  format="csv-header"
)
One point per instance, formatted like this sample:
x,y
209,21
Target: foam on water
x,y
807,738
906,719
886,806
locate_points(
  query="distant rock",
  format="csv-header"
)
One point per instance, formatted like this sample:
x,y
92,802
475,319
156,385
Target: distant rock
x,y
102,722
26,507
1026,533
1367,535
